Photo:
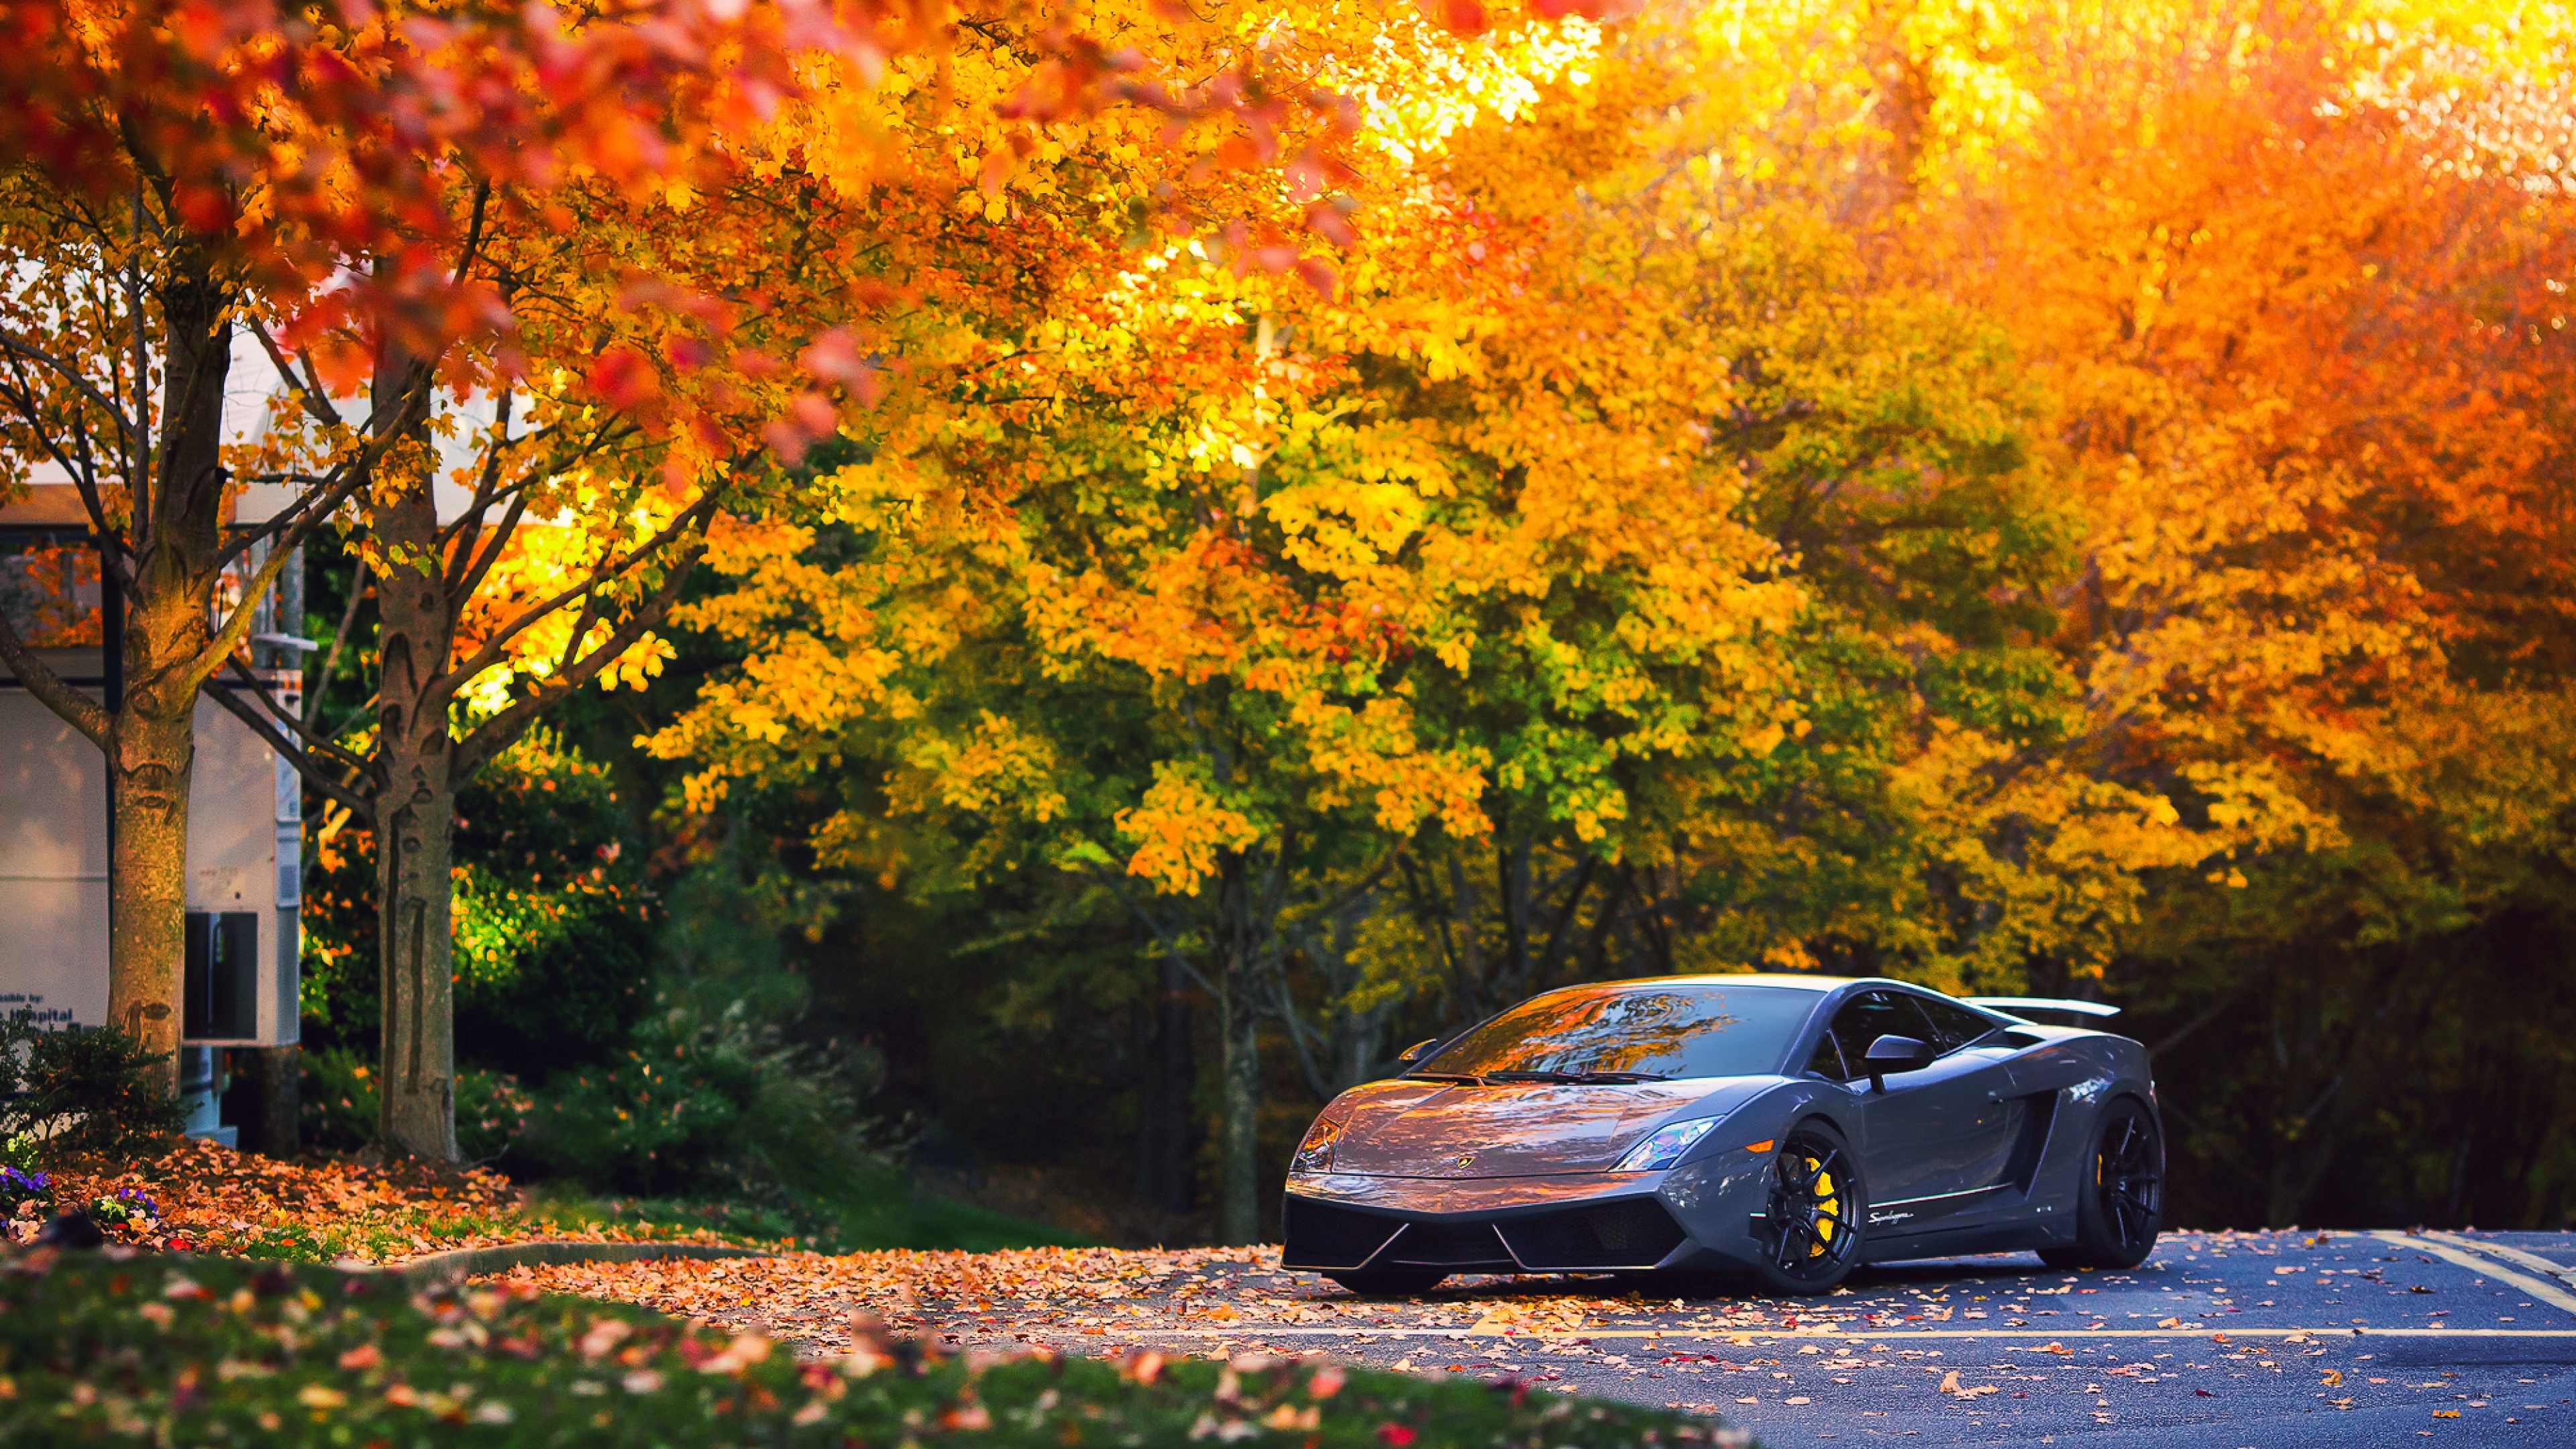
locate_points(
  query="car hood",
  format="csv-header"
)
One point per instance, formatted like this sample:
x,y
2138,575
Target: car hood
x,y
1405,1128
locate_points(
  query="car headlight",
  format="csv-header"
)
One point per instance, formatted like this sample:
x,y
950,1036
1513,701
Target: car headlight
x,y
1315,1154
1666,1146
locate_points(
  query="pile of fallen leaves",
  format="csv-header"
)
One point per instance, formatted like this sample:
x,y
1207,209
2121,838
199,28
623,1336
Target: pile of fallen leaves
x,y
212,1352
207,1198
1099,1299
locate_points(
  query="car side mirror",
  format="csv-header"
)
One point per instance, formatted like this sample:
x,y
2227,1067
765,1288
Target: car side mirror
x,y
1894,1054
1417,1051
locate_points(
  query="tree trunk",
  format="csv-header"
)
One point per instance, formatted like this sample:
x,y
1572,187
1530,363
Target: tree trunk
x,y
1238,1060
277,1111
148,881
178,532
415,801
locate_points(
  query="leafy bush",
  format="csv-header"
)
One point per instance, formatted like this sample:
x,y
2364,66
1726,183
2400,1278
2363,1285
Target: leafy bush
x,y
341,1106
79,1089
710,1104
99,1349
715,1094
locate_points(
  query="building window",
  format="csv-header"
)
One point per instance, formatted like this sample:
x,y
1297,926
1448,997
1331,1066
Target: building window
x,y
222,983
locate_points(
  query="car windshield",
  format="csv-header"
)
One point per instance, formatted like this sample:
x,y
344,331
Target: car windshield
x,y
1680,1030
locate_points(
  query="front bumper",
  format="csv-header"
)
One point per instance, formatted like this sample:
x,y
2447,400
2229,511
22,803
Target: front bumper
x,y
1696,1215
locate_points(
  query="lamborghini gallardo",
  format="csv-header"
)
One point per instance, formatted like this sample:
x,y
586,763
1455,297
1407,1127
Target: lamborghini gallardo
x,y
1781,1129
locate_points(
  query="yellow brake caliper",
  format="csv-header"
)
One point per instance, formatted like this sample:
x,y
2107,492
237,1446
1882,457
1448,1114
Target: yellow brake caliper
x,y
1827,1200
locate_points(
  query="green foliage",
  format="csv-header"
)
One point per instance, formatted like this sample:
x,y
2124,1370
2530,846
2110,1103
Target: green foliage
x,y
554,925
341,1105
722,1103
79,1089
713,1091
95,1348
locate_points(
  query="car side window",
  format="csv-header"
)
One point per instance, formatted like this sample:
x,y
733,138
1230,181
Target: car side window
x,y
1867,1017
1953,1026
1827,1059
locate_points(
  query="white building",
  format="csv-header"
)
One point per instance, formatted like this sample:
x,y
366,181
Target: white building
x,y
245,832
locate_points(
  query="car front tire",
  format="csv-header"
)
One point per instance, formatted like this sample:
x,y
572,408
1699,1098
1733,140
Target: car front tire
x,y
2120,1200
1818,1202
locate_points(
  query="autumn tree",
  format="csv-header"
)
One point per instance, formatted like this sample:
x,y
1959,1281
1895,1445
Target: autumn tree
x,y
525,192
1168,604
180,176
2307,339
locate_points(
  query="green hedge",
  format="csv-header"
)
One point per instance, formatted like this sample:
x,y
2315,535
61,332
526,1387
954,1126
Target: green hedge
x,y
157,1350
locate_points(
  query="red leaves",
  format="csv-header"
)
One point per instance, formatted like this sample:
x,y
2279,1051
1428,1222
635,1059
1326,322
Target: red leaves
x,y
205,209
810,419
834,357
1466,17
1458,17
815,414
1331,220
623,378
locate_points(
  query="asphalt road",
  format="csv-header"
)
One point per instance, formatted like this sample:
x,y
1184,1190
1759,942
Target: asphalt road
x,y
2231,1341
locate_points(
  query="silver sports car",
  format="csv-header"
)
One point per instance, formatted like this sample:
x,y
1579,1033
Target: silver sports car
x,y
1787,1128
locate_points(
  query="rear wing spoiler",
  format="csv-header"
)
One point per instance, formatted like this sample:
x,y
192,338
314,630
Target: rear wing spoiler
x,y
2017,1004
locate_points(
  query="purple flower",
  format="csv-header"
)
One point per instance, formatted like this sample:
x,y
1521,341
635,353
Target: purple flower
x,y
12,1180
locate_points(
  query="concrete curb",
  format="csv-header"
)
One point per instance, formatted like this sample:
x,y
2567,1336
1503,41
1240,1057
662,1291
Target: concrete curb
x,y
466,1263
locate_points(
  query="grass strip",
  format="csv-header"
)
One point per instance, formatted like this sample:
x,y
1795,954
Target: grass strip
x,y
128,1348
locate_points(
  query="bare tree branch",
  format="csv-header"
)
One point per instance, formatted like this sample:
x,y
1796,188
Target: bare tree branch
x,y
339,640
237,626
473,232
314,740
496,733
480,568
18,347
138,471
610,568
265,727
77,709
307,387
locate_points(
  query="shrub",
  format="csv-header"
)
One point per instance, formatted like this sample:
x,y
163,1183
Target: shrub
x,y
79,1089
341,1106
720,1104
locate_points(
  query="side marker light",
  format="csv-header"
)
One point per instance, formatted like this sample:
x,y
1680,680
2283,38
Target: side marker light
x,y
1765,1145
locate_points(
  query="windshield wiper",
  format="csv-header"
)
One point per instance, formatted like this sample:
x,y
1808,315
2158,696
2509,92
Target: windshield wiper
x,y
1586,1078
1472,1081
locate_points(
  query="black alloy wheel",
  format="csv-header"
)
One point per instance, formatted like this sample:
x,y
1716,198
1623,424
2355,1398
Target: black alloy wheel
x,y
1812,1236
2120,1204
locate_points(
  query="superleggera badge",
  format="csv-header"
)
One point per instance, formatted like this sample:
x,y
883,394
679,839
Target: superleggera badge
x,y
1466,1159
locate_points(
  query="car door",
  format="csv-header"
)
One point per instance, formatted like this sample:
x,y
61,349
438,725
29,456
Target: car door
x,y
1938,1140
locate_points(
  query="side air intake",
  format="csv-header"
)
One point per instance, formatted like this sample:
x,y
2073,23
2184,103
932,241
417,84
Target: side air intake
x,y
1322,1235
